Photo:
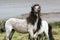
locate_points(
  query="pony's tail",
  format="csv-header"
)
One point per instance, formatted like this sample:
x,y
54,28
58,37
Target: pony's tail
x,y
50,32
2,28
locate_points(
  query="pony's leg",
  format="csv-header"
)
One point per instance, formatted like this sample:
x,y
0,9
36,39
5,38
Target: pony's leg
x,y
29,38
7,34
31,35
8,31
47,35
41,36
38,37
50,33
11,34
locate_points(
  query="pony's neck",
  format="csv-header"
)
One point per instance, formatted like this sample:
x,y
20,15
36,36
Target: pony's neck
x,y
32,18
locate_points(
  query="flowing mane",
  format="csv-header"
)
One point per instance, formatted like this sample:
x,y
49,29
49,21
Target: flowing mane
x,y
32,18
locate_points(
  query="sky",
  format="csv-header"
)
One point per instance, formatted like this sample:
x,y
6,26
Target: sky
x,y
9,8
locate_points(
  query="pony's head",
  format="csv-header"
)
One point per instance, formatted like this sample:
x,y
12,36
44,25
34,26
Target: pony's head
x,y
36,8
34,14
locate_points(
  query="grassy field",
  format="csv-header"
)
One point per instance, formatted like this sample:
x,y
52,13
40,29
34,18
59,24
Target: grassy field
x,y
19,36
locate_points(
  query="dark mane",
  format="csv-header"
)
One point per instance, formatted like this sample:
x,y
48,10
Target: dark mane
x,y
32,18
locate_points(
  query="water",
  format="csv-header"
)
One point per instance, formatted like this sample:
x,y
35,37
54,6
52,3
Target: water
x,y
9,8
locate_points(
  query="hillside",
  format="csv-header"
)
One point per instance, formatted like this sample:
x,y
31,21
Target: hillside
x,y
50,17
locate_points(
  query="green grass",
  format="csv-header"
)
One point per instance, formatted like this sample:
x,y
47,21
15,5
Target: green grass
x,y
20,36
55,24
16,36
56,33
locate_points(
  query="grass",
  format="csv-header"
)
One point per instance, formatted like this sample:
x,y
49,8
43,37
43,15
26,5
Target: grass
x,y
19,36
16,36
56,33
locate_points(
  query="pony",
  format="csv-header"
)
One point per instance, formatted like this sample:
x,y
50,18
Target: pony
x,y
30,25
